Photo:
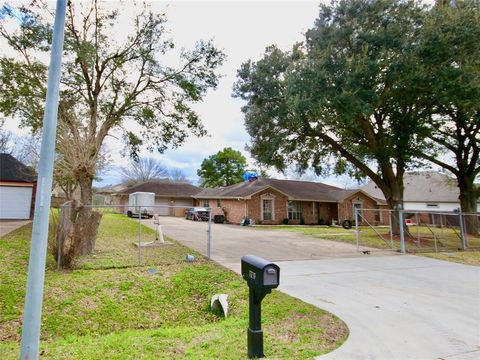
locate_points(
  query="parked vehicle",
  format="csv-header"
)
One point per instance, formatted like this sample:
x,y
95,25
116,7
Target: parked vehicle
x,y
197,214
141,202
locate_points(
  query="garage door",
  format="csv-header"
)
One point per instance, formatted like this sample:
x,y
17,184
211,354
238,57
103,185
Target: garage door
x,y
164,211
15,202
185,202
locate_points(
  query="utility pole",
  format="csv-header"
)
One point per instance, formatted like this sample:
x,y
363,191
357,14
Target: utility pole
x,y
38,248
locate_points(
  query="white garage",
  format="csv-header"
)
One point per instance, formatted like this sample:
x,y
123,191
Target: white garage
x,y
15,202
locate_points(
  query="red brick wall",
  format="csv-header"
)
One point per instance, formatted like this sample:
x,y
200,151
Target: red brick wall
x,y
280,207
235,209
346,210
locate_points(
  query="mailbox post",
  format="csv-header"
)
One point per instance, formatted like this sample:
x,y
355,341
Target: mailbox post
x,y
262,276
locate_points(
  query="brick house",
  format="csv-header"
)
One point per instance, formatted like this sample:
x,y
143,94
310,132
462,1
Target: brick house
x,y
167,194
270,201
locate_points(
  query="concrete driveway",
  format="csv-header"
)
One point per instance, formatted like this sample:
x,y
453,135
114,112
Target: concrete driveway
x,y
230,242
7,226
396,307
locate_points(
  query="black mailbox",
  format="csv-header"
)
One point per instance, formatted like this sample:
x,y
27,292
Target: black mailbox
x,y
260,273
262,276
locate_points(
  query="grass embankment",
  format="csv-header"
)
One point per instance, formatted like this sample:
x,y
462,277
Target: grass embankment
x,y
461,257
105,309
427,241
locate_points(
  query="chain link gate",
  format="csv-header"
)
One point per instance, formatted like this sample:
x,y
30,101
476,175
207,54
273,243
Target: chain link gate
x,y
416,231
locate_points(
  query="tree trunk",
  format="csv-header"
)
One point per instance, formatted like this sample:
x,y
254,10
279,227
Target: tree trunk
x,y
78,226
87,221
394,203
468,204
393,191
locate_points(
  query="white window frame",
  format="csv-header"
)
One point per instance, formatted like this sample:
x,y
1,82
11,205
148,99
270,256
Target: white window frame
x,y
268,197
360,212
206,203
298,212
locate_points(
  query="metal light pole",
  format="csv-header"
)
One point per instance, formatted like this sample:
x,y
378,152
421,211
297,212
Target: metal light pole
x,y
38,248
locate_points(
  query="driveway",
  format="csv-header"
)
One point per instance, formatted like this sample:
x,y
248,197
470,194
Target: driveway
x,y
230,242
7,226
396,307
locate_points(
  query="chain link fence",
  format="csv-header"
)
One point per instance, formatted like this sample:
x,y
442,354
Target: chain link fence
x,y
416,231
127,236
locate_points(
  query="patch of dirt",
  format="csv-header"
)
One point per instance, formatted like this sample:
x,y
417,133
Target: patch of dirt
x,y
10,330
333,330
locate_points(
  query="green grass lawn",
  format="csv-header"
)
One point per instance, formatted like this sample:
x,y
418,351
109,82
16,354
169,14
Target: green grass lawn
x,y
421,242
109,308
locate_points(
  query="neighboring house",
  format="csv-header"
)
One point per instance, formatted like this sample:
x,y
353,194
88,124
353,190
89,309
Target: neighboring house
x,y
270,201
425,191
17,189
166,194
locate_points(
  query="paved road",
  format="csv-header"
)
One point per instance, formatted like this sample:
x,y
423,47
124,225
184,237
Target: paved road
x,y
396,307
7,226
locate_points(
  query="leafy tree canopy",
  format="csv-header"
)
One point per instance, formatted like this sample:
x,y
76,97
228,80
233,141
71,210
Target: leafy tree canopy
x,y
449,58
224,168
345,99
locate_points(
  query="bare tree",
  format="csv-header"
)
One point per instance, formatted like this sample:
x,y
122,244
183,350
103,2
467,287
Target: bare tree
x,y
5,140
178,176
145,169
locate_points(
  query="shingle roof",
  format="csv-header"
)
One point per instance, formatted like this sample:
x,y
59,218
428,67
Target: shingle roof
x,y
165,189
13,170
294,189
426,186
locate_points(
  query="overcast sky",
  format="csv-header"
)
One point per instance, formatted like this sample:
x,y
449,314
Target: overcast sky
x,y
242,29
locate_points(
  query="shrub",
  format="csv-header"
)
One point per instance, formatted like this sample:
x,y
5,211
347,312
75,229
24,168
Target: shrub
x,y
302,221
321,221
285,221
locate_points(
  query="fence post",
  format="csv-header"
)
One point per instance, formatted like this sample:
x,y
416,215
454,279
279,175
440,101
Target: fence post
x,y
418,228
462,229
139,235
402,234
391,229
209,232
434,232
357,235
59,250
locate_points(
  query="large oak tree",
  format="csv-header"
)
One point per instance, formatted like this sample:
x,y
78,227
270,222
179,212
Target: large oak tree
x,y
449,55
347,94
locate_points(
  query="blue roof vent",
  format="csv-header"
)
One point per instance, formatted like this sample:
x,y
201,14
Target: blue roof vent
x,y
250,176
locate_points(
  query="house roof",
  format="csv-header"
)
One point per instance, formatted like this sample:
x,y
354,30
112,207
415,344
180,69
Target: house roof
x,y
425,186
13,170
164,189
293,189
